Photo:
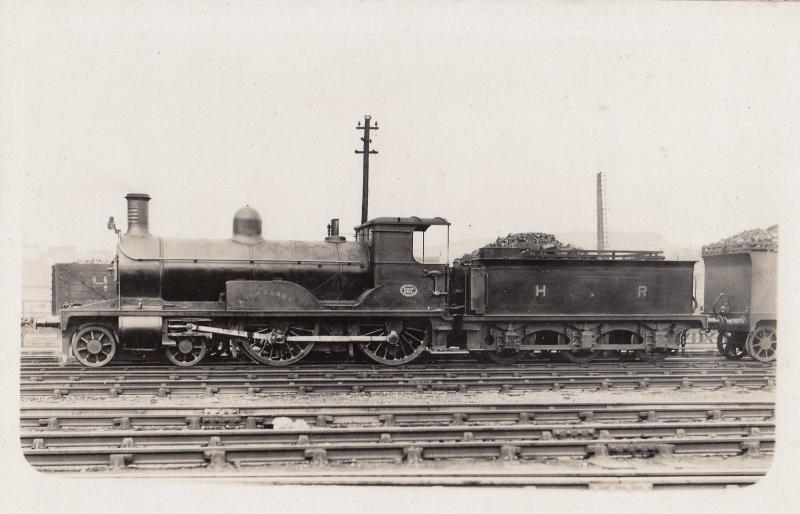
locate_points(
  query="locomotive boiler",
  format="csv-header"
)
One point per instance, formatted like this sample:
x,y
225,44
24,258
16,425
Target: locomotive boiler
x,y
198,269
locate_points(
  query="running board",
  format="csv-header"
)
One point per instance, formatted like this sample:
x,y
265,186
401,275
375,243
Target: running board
x,y
306,339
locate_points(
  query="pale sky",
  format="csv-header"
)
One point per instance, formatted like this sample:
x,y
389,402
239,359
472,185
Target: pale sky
x,y
494,115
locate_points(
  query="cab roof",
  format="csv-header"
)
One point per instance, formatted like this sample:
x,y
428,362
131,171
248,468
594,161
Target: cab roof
x,y
419,224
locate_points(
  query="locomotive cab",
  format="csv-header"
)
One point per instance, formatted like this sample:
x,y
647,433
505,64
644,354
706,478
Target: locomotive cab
x,y
401,281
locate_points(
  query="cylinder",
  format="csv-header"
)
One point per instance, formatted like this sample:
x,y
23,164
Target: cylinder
x,y
140,332
138,215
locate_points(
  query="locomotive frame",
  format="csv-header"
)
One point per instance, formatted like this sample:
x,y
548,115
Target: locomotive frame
x,y
258,316
277,301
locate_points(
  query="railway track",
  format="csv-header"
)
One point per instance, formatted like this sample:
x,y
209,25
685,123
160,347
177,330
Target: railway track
x,y
550,478
672,444
462,377
326,435
92,416
461,366
238,438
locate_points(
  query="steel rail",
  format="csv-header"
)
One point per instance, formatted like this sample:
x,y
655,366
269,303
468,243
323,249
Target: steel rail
x,y
419,368
254,387
254,373
91,415
47,376
387,371
515,474
652,432
555,479
215,455
55,363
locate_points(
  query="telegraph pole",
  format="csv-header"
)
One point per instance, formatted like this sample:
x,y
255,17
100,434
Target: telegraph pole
x,y
366,152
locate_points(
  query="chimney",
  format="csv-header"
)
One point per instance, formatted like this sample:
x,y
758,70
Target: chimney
x,y
333,232
138,215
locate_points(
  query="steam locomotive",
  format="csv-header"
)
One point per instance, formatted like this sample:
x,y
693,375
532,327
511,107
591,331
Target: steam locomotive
x,y
278,301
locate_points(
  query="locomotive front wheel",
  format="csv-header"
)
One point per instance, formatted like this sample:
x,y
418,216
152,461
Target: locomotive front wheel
x,y
275,350
762,344
731,346
187,352
405,341
578,356
94,345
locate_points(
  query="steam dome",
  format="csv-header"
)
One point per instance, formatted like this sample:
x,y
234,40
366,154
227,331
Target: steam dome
x,y
247,225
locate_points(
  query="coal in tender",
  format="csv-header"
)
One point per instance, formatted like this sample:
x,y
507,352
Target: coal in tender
x,y
531,240
753,240
537,241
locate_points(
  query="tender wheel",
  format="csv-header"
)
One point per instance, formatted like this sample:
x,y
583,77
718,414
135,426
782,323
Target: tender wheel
x,y
406,341
542,339
732,346
551,355
505,357
762,344
276,350
578,356
187,351
94,345
653,356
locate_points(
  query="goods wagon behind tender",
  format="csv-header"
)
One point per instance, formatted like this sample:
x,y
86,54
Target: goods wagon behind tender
x,y
741,292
